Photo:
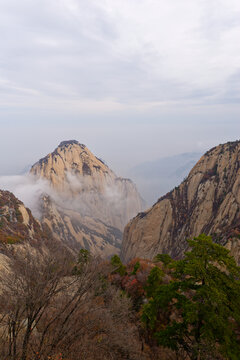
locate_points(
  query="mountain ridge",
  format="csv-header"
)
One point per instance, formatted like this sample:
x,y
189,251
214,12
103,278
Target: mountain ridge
x,y
207,201
155,178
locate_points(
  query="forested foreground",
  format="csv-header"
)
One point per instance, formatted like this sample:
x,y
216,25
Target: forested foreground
x,y
54,307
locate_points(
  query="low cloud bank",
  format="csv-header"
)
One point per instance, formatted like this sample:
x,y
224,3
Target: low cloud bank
x,y
110,203
26,188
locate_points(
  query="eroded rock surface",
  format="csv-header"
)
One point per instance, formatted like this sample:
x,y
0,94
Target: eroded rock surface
x,y
77,231
208,201
17,225
87,205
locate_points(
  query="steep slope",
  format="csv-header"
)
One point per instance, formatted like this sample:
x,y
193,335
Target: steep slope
x,y
87,204
23,237
17,225
208,201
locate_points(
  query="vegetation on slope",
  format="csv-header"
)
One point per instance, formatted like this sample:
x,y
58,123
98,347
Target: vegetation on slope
x,y
197,313
55,308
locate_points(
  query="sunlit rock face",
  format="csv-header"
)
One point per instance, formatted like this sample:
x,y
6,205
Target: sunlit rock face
x,y
87,200
208,201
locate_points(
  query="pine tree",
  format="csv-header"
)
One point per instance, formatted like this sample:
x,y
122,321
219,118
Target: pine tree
x,y
198,312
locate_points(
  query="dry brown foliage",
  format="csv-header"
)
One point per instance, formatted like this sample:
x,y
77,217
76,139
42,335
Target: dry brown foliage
x,y
49,313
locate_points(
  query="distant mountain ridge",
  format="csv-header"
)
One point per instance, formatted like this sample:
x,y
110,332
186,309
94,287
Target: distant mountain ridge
x,y
155,178
208,201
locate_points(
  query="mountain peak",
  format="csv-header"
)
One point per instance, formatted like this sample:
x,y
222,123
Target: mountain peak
x,y
89,204
70,158
66,143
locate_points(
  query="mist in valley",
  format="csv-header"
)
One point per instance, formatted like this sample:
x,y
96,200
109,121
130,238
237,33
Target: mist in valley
x,y
78,195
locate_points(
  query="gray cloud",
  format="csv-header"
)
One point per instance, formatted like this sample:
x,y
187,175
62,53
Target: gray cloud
x,y
130,52
78,195
27,189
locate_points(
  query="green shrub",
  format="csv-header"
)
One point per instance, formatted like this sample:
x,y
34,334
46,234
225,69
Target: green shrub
x,y
118,265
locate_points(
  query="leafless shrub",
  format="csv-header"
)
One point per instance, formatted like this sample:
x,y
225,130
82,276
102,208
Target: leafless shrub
x,y
47,311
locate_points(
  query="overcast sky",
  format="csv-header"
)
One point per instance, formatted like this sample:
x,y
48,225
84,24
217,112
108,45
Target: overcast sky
x,y
134,80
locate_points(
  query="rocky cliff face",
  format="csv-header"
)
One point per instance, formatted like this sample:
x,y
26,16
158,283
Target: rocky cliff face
x,y
87,205
17,225
208,201
77,231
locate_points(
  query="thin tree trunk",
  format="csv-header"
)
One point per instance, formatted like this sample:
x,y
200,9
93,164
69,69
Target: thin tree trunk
x,y
26,341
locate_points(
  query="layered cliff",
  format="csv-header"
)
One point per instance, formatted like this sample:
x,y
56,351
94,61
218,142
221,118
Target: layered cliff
x,y
87,205
208,201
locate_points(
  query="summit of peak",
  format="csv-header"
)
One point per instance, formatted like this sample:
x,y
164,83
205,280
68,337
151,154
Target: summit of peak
x,y
70,142
70,157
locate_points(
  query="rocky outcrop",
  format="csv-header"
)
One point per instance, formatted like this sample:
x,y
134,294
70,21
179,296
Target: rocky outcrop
x,y
17,225
24,236
87,205
208,201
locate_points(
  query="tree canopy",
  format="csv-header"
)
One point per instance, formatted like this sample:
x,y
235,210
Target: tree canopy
x,y
197,313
